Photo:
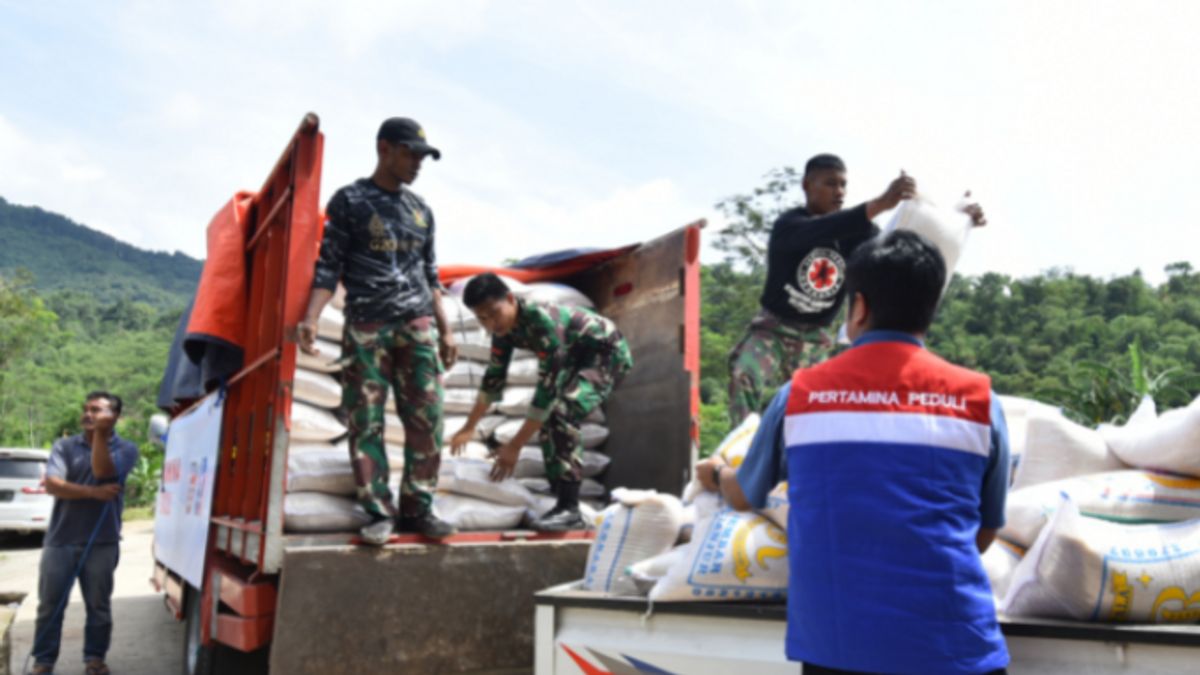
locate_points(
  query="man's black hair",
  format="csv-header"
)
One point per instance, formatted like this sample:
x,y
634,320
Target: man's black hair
x,y
484,288
114,401
824,162
901,275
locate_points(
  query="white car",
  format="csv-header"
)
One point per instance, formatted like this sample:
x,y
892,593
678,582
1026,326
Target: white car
x,y
24,504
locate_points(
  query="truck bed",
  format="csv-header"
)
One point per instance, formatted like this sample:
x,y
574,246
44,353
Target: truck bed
x,y
723,637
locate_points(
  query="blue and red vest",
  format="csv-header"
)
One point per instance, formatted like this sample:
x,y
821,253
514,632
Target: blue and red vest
x,y
887,448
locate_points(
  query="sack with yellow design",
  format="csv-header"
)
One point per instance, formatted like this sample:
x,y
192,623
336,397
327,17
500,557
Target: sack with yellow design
x,y
1095,570
733,449
1130,496
732,556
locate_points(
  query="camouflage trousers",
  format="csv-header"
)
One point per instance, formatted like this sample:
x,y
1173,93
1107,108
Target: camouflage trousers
x,y
765,359
583,386
403,356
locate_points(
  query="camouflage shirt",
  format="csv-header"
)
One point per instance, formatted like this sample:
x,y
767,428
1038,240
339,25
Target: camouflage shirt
x,y
380,245
560,337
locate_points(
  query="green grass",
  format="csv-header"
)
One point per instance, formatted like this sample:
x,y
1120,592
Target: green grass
x,y
133,513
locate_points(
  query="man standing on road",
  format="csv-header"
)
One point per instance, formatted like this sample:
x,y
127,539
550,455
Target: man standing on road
x,y
806,270
896,464
85,474
581,357
379,242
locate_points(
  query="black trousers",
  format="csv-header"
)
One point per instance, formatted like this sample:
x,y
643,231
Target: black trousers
x,y
812,669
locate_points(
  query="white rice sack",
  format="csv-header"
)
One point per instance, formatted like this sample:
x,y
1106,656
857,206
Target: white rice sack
x,y
530,463
473,450
469,513
1017,412
1056,448
594,463
945,229
458,316
597,416
594,435
465,374
999,562
459,401
778,506
733,449
639,524
507,431
331,323
475,344
538,486
472,477
550,293
732,556
516,401
319,512
1094,570
324,361
320,467
588,489
311,424
1169,442
338,301
647,572
1130,496
318,389
523,371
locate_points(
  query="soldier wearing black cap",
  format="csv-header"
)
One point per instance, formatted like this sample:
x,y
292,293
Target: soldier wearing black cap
x,y
379,243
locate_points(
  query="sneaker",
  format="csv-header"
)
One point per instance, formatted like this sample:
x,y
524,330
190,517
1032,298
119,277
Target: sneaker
x,y
377,533
427,525
561,520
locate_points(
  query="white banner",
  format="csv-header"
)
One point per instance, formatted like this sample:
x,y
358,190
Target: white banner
x,y
185,496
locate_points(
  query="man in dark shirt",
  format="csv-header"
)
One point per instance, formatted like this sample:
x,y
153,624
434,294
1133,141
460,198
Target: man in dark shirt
x,y
806,266
581,357
379,242
85,474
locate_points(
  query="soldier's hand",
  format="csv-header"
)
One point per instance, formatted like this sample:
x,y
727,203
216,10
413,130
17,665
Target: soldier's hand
x,y
506,462
307,336
973,209
447,349
106,492
458,442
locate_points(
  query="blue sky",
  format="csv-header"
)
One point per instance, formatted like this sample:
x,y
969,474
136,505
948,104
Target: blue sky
x,y
593,124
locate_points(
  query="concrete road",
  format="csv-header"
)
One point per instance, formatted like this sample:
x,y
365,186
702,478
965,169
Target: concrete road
x,y
146,640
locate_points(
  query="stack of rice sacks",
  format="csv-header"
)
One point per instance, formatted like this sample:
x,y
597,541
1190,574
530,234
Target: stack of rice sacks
x,y
1104,523
466,497
320,487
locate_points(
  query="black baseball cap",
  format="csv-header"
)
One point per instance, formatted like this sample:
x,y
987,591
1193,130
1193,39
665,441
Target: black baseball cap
x,y
408,132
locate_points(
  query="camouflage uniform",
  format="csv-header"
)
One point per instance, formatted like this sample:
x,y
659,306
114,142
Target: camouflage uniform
x,y
581,357
379,244
767,355
404,356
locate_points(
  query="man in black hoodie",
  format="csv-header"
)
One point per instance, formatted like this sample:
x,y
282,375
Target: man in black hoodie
x,y
806,265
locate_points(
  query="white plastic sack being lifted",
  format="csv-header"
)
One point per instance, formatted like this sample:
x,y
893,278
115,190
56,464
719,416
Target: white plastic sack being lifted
x,y
1056,448
550,293
945,229
516,401
469,513
1094,570
318,389
733,449
472,478
312,424
472,450
319,512
1170,442
459,401
639,524
1130,496
324,361
732,556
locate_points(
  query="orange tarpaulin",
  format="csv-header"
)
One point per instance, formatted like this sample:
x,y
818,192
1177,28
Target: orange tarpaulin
x,y
219,311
